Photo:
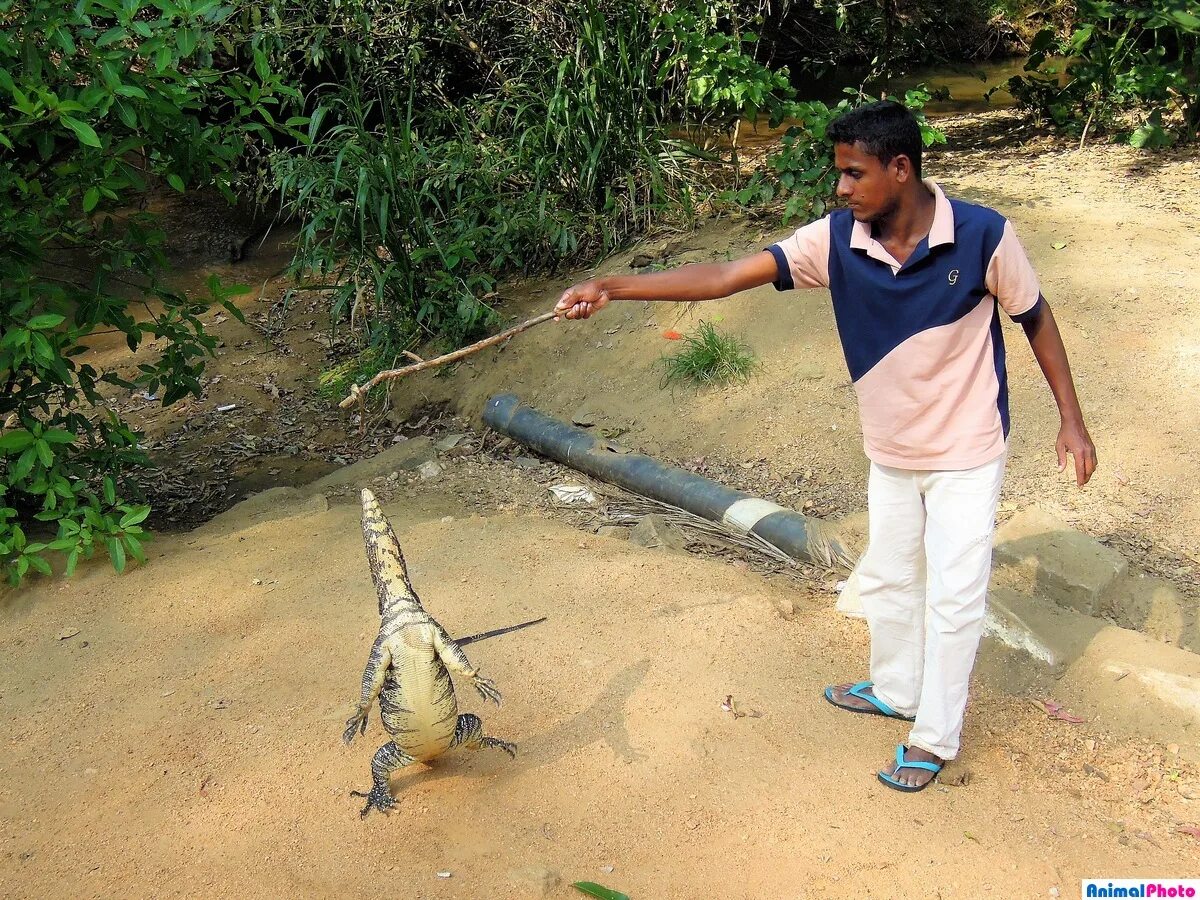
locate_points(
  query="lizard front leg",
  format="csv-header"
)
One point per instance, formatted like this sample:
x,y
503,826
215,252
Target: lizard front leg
x,y
387,760
456,661
372,682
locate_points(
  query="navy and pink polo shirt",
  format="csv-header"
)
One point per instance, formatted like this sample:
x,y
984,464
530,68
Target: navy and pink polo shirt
x,y
922,340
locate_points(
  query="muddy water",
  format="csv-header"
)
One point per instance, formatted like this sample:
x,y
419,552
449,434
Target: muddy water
x,y
965,88
205,236
967,84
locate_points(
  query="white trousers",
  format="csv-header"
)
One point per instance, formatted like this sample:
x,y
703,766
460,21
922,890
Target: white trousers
x,y
923,583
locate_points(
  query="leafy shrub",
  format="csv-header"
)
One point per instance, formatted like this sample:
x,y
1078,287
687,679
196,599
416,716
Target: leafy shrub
x,y
803,170
487,164
101,99
708,357
1127,57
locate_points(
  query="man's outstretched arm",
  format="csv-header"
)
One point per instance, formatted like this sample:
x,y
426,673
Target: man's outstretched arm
x,y
1073,437
696,281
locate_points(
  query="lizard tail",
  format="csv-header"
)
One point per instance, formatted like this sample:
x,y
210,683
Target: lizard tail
x,y
386,562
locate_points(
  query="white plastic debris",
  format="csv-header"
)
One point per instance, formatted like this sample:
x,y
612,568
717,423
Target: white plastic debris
x,y
449,442
444,874
571,494
227,407
429,470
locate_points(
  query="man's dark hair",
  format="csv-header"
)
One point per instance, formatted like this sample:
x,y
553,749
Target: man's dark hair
x,y
886,129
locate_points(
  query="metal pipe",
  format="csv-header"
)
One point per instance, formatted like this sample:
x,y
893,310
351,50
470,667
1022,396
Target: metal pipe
x,y
796,535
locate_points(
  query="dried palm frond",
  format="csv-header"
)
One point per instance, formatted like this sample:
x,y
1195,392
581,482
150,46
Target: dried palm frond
x,y
623,508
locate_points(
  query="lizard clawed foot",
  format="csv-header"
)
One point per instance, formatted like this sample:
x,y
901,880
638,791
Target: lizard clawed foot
x,y
507,746
357,722
376,799
487,689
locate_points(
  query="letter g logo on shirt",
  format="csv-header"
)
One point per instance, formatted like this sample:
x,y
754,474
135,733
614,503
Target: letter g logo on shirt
x,y
953,276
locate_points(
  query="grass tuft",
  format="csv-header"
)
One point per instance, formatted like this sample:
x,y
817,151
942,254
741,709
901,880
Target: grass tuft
x,y
709,357
334,383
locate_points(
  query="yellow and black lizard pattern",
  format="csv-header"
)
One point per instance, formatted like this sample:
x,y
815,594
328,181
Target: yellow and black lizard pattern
x,y
409,671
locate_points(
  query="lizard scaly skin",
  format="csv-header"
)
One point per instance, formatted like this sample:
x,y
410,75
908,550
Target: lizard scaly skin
x,y
409,671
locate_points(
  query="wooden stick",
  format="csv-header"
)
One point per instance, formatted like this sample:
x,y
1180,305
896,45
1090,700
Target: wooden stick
x,y
358,392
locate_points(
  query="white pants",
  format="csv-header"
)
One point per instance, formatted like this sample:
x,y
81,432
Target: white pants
x,y
923,583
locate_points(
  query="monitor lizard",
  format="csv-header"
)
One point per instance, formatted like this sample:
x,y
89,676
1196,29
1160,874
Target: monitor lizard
x,y
409,671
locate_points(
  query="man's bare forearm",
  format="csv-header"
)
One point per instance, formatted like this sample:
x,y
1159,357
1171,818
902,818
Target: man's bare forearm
x,y
1048,349
690,283
695,281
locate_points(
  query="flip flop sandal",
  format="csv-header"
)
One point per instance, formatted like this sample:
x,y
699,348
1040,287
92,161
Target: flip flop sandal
x,y
859,691
901,764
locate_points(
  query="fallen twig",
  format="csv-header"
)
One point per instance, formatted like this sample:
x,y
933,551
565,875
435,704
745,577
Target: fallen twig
x,y
358,392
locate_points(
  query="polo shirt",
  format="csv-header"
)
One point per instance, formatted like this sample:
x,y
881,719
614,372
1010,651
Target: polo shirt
x,y
922,340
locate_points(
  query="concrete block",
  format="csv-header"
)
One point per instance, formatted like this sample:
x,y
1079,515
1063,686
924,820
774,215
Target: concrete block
x,y
273,503
1049,633
1152,606
1123,680
535,881
849,603
407,456
1135,685
1061,564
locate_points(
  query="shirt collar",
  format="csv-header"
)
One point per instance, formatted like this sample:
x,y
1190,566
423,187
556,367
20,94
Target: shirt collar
x,y
940,232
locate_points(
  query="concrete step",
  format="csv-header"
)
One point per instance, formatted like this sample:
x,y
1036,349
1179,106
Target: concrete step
x,y
1057,562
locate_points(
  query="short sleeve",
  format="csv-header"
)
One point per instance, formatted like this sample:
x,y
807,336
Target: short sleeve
x,y
803,258
1011,279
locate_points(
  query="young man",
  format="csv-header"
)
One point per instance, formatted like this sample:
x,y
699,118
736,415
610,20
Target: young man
x,y
917,283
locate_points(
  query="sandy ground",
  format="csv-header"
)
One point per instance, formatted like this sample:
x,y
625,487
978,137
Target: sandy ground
x,y
185,742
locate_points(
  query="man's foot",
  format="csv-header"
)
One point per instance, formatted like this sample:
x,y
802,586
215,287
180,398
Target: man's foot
x,y
854,697
910,777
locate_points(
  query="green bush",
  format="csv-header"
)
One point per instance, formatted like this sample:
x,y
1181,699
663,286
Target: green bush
x,y
1135,58
803,171
101,99
506,156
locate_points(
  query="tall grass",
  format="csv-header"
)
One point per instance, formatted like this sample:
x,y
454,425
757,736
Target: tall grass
x,y
419,202
708,358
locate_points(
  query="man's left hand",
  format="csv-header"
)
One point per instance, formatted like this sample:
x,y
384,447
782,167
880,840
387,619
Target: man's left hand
x,y
1073,438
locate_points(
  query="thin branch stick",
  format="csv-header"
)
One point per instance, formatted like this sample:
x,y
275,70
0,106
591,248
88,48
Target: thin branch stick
x,y
358,392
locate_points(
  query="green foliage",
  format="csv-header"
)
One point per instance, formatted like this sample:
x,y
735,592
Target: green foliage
x,y
100,99
722,81
335,382
886,37
1138,58
598,890
708,357
803,171
497,159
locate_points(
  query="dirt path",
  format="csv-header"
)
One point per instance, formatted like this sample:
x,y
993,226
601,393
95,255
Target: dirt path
x,y
185,741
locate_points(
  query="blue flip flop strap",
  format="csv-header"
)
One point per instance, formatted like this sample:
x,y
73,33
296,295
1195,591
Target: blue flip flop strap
x,y
902,764
857,691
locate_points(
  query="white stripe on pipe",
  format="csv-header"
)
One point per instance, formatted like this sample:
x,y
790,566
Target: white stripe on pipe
x,y
745,514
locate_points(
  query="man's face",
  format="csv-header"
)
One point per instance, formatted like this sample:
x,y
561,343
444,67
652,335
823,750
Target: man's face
x,y
869,188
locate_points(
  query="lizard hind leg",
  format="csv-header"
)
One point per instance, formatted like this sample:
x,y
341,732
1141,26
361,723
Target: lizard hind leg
x,y
468,732
387,760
